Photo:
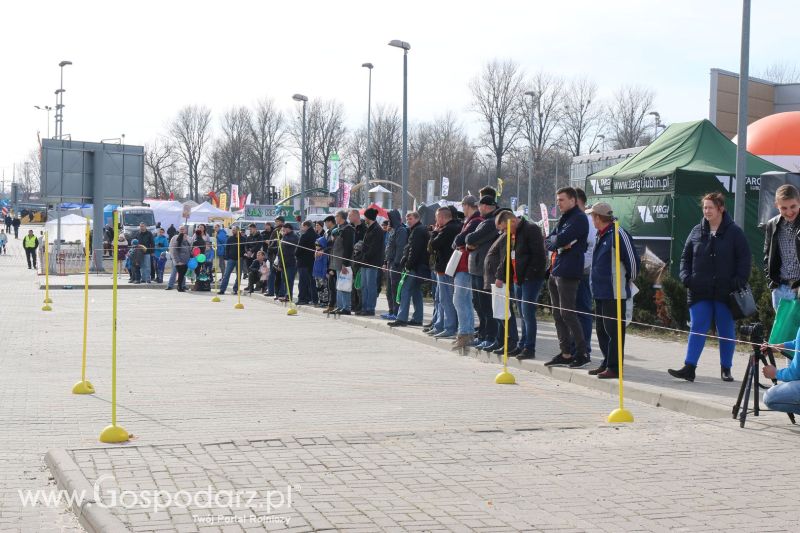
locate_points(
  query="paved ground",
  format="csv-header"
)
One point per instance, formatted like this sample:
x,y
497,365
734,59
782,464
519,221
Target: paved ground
x,y
371,431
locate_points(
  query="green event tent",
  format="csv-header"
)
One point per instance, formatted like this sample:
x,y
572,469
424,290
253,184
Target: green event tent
x,y
656,194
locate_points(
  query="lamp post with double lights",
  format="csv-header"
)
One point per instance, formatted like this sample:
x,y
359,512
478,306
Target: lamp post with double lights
x,y
656,123
405,47
48,109
369,66
534,96
302,98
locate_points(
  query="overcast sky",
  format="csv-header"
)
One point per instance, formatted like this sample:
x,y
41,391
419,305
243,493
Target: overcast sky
x,y
137,63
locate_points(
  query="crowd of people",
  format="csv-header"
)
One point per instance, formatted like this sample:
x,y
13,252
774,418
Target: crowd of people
x,y
344,262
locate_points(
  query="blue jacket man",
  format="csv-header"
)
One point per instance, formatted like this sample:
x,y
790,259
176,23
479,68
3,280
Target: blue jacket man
x,y
603,281
567,242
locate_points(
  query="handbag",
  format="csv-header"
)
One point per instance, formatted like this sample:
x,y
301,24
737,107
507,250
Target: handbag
x,y
344,282
742,303
400,286
499,302
452,265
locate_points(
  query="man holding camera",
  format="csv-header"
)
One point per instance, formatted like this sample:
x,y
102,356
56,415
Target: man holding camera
x,y
784,397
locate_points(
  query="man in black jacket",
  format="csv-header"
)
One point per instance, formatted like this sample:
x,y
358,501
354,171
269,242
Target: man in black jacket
x,y
287,262
782,246
416,270
371,257
398,238
146,239
441,248
341,261
478,243
272,255
307,289
528,265
354,218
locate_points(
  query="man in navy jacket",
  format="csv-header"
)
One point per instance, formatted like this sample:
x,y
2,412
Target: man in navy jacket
x,y
604,286
567,242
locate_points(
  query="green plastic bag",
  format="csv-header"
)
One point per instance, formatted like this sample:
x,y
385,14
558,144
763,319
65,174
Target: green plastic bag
x,y
400,286
787,321
357,281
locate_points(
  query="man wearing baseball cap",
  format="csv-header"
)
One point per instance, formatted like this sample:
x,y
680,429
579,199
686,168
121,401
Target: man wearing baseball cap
x,y
604,285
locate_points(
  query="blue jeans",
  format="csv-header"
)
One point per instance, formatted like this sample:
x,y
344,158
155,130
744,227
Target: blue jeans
x,y
783,292
411,293
288,274
462,301
702,314
343,300
784,397
447,317
513,332
528,294
230,267
369,288
306,287
172,275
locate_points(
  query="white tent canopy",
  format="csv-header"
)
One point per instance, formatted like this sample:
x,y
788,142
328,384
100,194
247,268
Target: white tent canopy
x,y
167,212
203,212
73,228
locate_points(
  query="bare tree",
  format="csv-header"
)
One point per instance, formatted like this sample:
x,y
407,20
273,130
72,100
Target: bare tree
x,y
582,116
437,150
236,150
29,179
781,73
190,131
626,116
387,144
325,133
496,93
546,109
160,157
355,160
266,142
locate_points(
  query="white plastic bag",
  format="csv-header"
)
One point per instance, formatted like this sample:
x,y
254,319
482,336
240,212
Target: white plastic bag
x,y
499,302
452,265
344,282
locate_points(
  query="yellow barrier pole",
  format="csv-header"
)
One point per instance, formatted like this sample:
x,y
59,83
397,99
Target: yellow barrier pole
x,y
620,415
84,386
505,377
114,433
214,271
47,300
292,309
238,283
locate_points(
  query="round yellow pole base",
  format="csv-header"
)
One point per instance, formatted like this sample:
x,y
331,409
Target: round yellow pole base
x,y
48,300
239,306
83,387
113,434
46,307
620,416
505,378
291,312
215,299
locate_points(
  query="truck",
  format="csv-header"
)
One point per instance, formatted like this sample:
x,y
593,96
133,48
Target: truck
x,y
131,216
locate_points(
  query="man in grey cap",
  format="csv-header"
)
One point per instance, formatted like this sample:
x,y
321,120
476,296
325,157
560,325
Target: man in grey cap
x,y
462,294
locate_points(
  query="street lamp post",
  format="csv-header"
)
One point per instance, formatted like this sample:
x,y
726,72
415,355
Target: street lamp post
x,y
531,157
303,212
369,128
602,141
741,125
657,124
60,102
48,109
406,47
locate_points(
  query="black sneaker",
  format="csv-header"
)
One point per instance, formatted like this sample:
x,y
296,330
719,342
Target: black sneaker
x,y
599,370
526,353
579,361
397,324
559,360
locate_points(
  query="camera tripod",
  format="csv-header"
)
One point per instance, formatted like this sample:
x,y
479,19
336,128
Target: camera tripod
x,y
750,383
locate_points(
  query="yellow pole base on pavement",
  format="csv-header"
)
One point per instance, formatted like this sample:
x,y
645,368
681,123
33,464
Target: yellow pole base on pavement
x,y
114,434
291,312
46,307
505,378
83,387
240,305
620,416
215,299
47,301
